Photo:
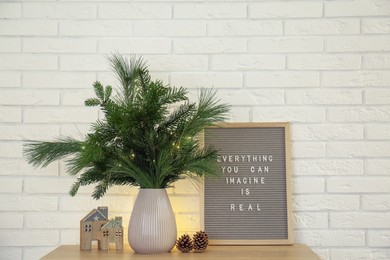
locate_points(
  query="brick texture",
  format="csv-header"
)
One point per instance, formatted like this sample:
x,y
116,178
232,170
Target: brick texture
x,y
323,66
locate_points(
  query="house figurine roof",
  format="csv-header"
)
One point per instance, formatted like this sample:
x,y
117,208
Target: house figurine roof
x,y
117,222
99,214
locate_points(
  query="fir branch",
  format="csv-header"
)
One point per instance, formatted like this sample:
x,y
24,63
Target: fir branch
x,y
107,93
92,102
99,90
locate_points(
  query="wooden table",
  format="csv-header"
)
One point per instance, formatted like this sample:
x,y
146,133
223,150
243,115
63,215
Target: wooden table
x,y
294,252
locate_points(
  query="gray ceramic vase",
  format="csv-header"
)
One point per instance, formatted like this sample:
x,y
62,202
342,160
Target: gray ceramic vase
x,y
152,227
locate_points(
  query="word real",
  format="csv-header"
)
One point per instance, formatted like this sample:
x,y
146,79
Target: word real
x,y
242,207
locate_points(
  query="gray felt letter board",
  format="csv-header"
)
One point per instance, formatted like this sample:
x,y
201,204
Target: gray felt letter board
x,y
249,202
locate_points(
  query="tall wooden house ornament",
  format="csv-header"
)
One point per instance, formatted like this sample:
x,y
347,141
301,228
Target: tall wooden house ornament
x,y
96,226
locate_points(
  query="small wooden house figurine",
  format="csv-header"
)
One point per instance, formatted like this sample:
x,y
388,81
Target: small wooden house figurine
x,y
112,233
96,226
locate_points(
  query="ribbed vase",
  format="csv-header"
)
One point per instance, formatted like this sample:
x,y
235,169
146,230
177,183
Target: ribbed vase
x,y
152,227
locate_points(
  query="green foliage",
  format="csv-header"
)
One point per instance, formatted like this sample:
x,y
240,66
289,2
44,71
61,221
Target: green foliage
x,y
142,141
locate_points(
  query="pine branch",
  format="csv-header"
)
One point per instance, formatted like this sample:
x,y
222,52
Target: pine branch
x,y
171,121
43,153
208,113
141,141
128,72
100,189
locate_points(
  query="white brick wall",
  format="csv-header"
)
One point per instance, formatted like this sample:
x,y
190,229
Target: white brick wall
x,y
322,65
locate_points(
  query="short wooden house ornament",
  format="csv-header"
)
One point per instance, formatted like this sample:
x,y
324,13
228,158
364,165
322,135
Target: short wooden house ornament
x,y
96,226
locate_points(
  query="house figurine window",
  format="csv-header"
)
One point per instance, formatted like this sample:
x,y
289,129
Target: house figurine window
x,y
118,233
105,233
87,228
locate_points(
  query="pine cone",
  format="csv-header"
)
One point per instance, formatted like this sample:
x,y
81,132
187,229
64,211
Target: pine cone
x,y
201,241
184,243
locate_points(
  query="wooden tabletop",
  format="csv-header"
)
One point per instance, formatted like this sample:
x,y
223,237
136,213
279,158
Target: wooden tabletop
x,y
294,252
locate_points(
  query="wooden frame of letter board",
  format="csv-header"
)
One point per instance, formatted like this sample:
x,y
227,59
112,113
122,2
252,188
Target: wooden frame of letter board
x,y
285,241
